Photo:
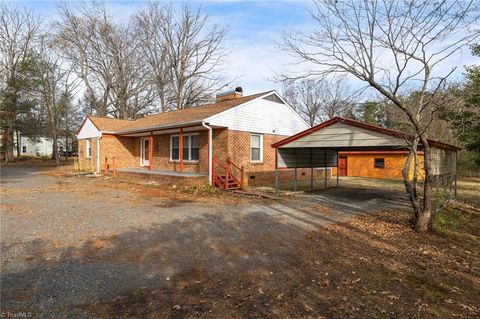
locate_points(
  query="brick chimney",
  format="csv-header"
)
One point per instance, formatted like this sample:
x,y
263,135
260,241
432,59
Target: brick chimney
x,y
229,94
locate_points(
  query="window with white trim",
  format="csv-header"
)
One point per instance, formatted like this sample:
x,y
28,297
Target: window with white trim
x,y
24,149
191,147
88,148
256,148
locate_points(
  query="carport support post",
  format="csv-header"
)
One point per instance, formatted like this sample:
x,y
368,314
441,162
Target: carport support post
x,y
337,170
456,173
325,169
295,182
276,171
311,169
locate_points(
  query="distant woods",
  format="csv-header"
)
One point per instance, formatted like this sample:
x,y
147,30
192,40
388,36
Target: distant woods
x,y
89,61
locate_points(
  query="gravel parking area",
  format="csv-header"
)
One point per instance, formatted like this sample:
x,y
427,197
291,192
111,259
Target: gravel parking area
x,y
84,247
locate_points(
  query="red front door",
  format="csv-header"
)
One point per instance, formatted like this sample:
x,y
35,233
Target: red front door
x,y
342,166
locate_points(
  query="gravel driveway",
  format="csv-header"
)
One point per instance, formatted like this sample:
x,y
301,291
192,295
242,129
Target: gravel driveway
x,y
83,248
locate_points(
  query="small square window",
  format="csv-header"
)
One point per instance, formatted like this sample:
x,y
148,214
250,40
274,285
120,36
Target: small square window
x,y
379,163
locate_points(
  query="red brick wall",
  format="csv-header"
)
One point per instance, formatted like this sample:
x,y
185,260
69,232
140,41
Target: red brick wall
x,y
126,151
226,143
84,163
161,154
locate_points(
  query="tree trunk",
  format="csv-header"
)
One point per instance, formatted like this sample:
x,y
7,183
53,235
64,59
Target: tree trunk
x,y
55,148
19,142
411,185
423,220
9,143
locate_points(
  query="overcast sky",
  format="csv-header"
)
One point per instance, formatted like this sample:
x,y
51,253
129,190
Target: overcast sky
x,y
254,27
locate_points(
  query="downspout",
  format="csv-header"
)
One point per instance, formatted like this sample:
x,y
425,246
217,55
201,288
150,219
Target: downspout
x,y
98,154
210,153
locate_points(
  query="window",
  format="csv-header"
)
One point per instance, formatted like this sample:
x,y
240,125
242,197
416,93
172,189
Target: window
x,y
256,148
24,149
379,163
89,147
191,147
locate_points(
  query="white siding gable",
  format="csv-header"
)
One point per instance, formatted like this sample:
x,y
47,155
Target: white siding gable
x,y
344,135
88,130
261,116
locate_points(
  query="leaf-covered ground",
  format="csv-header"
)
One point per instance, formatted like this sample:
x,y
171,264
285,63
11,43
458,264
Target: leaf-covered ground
x,y
103,248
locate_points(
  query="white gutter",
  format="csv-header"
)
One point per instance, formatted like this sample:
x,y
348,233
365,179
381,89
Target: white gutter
x,y
98,154
210,153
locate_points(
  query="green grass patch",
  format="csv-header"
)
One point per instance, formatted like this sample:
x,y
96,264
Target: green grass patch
x,y
447,220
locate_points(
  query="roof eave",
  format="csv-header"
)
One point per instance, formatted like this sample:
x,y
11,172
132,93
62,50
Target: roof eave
x,y
337,119
156,128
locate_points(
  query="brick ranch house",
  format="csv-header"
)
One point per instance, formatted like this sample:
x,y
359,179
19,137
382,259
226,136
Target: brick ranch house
x,y
196,141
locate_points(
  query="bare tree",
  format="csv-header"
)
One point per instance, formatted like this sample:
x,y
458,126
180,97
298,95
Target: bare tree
x,y
150,24
183,54
107,58
19,31
395,47
55,88
318,100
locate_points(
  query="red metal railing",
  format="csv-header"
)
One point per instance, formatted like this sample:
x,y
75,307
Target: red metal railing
x,y
239,169
223,173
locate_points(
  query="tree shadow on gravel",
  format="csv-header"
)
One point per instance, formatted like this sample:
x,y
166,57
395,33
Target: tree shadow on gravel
x,y
250,266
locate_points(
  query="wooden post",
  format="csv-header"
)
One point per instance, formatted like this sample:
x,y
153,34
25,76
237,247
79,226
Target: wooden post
x,y
325,169
113,167
456,173
210,158
276,172
311,169
106,166
180,142
338,173
295,182
450,182
227,175
150,151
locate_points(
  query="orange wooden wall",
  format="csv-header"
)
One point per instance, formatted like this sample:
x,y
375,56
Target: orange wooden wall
x,y
361,164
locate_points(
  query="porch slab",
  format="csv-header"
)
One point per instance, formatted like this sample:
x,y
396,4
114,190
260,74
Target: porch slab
x,y
140,170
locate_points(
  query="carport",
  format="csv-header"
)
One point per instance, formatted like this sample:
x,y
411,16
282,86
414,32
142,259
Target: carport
x,y
319,147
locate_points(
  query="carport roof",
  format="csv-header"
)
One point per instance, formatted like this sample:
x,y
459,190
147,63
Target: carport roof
x,y
361,125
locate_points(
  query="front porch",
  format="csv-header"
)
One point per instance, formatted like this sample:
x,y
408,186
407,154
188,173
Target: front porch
x,y
146,170
176,152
